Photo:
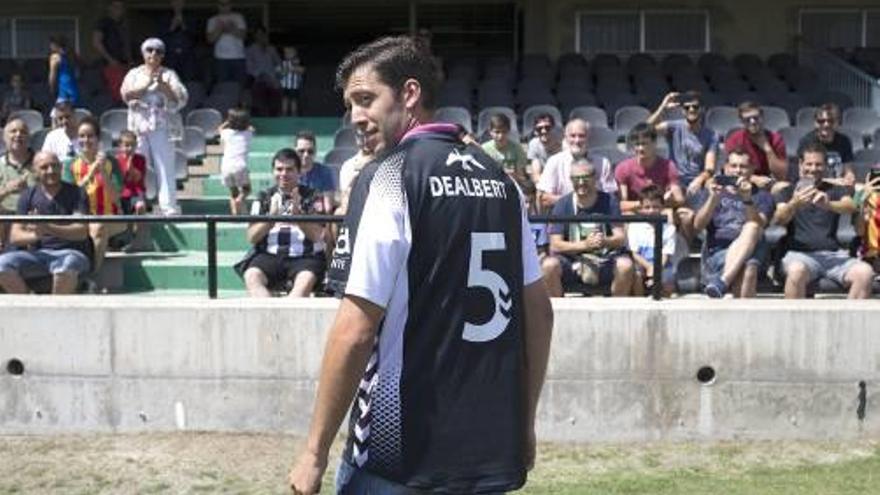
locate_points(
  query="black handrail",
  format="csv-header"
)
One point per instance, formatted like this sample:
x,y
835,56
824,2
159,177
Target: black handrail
x,y
656,221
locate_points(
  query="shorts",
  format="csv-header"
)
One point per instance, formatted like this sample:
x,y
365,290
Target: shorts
x,y
570,278
832,265
351,480
236,178
668,274
43,262
280,269
713,264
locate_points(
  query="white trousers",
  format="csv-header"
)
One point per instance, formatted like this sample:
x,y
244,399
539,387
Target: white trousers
x,y
157,148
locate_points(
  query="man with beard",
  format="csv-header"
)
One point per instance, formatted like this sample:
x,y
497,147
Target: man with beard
x,y
839,150
766,149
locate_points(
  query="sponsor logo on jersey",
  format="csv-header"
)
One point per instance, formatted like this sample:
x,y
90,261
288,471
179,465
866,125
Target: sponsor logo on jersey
x,y
466,161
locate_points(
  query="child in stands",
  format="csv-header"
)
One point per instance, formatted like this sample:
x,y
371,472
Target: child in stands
x,y
235,135
133,166
640,237
290,76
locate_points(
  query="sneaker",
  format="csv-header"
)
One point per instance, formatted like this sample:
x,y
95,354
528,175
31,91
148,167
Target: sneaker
x,y
716,288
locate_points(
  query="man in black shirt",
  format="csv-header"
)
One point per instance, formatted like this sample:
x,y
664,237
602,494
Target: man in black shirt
x,y
57,249
811,211
443,331
839,150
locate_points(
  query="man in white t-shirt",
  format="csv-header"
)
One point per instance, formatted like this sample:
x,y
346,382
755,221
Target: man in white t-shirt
x,y
226,31
555,180
62,139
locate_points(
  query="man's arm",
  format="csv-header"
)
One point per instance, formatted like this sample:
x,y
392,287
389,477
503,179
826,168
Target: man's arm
x,y
346,354
538,334
69,231
23,235
560,246
705,213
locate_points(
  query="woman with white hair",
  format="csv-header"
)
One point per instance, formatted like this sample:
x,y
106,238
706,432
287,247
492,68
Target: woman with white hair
x,y
155,95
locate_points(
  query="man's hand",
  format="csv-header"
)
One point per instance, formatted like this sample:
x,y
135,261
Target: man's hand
x,y
821,199
713,188
762,181
595,241
803,196
744,189
306,473
16,185
670,101
695,185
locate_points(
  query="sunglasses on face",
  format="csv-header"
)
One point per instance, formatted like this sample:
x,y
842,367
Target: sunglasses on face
x,y
692,107
582,179
752,119
157,51
824,121
540,129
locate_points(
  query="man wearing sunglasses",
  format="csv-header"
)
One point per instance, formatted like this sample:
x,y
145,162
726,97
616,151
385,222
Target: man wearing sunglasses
x,y
839,151
543,145
693,146
315,175
766,149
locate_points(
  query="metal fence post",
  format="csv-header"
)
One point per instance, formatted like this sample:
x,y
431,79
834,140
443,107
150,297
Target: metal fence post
x,y
212,258
657,288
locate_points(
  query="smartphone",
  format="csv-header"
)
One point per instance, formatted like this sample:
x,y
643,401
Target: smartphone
x,y
824,186
726,180
873,174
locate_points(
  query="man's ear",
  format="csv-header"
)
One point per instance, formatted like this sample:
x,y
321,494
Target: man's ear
x,y
411,94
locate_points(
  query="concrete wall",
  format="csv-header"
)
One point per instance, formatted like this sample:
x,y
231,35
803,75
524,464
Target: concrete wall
x,y
620,370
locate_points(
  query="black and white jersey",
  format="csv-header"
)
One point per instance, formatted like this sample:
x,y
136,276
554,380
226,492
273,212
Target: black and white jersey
x,y
436,234
287,239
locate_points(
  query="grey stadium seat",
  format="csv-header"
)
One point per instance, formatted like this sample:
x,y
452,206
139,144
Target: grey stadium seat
x,y
32,118
855,136
601,137
455,115
806,117
115,121
337,156
864,159
627,117
532,112
81,113
38,137
792,137
722,119
207,119
180,165
594,115
775,118
861,119
194,142
345,137
612,153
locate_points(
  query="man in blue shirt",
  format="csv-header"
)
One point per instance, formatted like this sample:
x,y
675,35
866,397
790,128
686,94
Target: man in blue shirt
x,y
314,175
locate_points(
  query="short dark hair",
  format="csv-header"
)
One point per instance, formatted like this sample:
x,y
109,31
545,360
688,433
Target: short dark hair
x,y
651,192
499,121
740,150
92,121
395,59
813,146
307,135
287,155
546,116
239,119
127,133
63,105
640,131
692,95
746,106
831,108
58,39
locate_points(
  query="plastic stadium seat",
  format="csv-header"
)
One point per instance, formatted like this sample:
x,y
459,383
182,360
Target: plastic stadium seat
x,y
194,144
526,99
180,165
601,137
612,153
32,118
806,117
37,138
792,137
855,136
81,113
455,115
594,115
782,62
114,121
775,118
535,63
486,113
862,119
842,100
337,156
345,137
570,101
709,62
106,140
532,112
207,119
612,103
723,119
627,117
675,63
865,158
495,97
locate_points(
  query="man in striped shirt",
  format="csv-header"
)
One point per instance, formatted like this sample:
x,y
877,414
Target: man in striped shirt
x,y
284,253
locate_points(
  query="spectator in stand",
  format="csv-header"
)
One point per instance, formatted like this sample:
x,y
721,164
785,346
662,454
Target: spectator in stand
x,y
155,95
839,149
509,155
133,167
284,253
226,31
812,210
112,41
59,250
16,98
62,76
640,239
261,60
178,33
62,140
236,133
766,148
555,180
538,229
588,253
350,170
693,146
314,175
15,171
867,198
734,213
290,74
644,168
99,177
543,145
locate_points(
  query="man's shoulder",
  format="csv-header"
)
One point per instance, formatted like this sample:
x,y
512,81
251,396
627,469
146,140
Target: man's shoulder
x,y
564,206
559,158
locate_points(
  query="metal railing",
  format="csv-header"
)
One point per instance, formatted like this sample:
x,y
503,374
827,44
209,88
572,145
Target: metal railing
x,y
839,75
211,222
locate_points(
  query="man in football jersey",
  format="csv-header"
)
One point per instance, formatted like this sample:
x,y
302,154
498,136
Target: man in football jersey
x,y
443,332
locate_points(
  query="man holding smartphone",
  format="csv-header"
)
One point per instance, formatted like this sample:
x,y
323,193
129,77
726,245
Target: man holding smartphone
x,y
812,216
734,214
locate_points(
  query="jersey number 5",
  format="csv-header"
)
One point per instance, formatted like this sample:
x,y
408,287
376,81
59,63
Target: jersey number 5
x,y
491,281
